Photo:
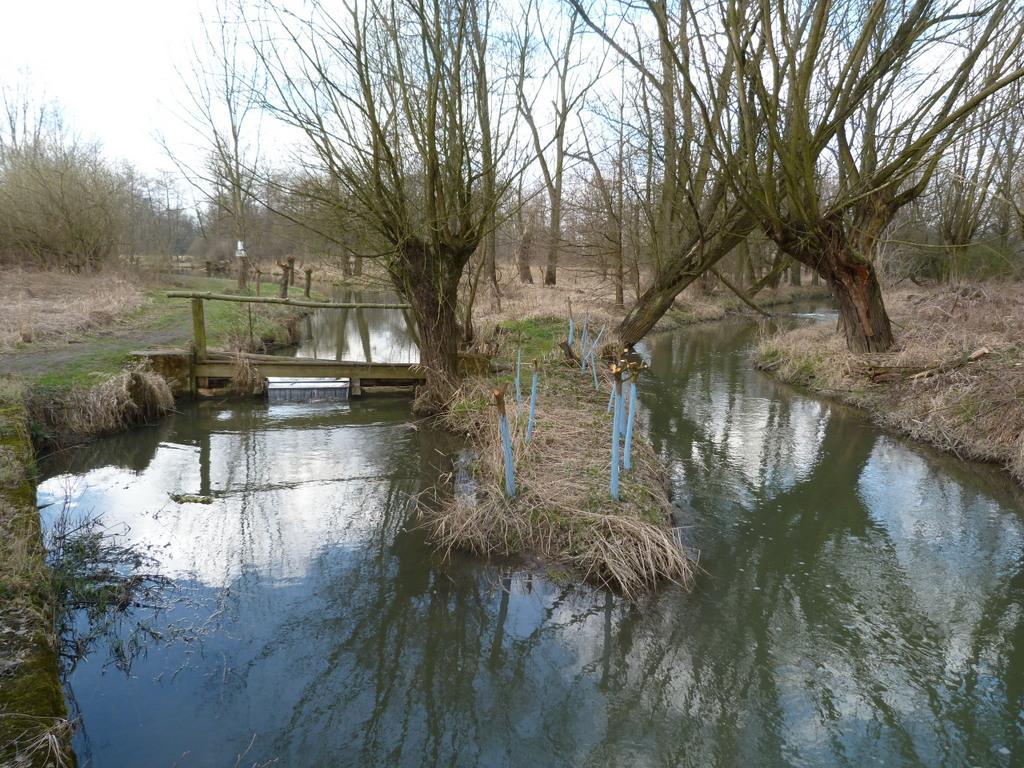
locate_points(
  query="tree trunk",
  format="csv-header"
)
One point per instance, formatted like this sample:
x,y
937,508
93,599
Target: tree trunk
x,y
794,274
776,271
658,298
620,272
853,281
243,273
865,321
555,234
649,309
523,255
430,283
742,259
491,266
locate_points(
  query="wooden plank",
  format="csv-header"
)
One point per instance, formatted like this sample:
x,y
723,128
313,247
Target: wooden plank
x,y
312,368
209,296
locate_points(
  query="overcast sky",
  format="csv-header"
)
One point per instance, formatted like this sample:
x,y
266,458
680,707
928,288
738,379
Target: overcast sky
x,y
110,64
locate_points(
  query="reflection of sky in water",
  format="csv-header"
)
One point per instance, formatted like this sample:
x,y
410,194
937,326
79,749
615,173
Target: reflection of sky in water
x,y
861,600
280,493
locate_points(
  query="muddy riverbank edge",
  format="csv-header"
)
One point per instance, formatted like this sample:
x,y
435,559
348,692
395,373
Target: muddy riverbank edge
x,y
34,729
954,379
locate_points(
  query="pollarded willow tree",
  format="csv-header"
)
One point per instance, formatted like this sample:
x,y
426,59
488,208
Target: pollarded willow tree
x,y
868,93
385,95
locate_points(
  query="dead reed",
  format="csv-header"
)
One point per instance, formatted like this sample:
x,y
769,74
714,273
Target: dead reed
x,y
955,378
246,380
135,396
562,511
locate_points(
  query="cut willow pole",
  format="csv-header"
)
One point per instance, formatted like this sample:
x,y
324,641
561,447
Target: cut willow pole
x,y
627,455
616,420
591,355
506,442
533,403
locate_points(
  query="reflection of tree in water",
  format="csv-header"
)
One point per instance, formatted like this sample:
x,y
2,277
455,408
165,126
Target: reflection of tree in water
x,y
813,638
822,609
819,649
372,335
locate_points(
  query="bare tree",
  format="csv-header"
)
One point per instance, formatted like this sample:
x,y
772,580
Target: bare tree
x,y
685,204
223,110
558,39
856,79
386,97
963,193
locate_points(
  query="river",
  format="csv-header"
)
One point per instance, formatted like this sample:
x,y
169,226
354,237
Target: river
x,y
861,600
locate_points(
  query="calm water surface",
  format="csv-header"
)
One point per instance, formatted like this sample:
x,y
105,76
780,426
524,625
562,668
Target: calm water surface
x,y
862,601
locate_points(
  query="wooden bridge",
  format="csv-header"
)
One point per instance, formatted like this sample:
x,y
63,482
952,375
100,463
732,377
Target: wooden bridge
x,y
195,371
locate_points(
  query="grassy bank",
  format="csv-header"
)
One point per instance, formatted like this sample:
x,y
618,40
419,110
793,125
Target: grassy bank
x,y
562,513
33,728
955,378
95,344
80,381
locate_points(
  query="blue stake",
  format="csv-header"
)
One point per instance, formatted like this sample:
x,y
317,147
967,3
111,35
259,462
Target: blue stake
x,y
506,442
519,360
584,338
627,456
533,403
611,399
571,332
617,392
592,355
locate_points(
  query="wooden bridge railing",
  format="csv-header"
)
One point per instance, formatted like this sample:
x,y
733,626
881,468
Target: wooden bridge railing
x,y
199,318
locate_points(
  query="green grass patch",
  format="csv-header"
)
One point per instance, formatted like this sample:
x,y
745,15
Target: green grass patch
x,y
228,324
536,336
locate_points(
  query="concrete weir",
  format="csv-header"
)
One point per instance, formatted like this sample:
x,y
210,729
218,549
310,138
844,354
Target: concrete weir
x,y
281,390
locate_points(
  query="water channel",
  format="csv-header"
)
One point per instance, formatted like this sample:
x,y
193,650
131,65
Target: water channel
x,y
861,602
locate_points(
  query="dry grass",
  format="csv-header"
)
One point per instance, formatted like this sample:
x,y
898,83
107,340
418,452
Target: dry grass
x,y
593,297
926,386
246,380
562,511
40,306
589,294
